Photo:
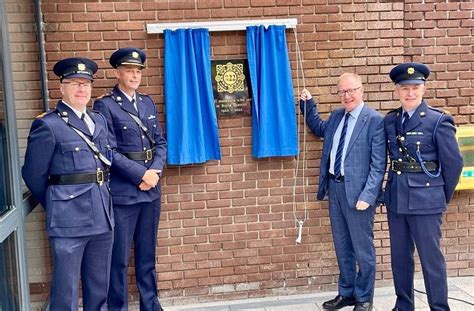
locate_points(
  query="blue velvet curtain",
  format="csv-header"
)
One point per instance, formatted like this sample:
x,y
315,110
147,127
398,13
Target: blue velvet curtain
x,y
274,131
191,121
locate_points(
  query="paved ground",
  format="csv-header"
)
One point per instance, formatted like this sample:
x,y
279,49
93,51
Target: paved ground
x,y
384,300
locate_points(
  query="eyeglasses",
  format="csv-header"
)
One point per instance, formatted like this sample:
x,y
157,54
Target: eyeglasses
x,y
86,85
342,93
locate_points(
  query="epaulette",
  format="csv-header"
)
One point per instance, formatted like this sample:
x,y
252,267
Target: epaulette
x,y
105,95
439,110
393,111
41,115
143,94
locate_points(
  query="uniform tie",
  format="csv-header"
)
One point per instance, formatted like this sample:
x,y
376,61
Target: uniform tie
x,y
406,117
340,147
134,104
89,123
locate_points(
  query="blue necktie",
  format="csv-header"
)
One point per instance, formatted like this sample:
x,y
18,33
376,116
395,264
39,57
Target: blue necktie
x,y
406,117
340,147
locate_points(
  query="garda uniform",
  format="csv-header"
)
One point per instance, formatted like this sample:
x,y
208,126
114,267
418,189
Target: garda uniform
x,y
425,165
66,168
141,146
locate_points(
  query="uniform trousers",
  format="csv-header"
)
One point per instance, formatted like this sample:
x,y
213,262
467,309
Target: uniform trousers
x,y
137,223
424,231
352,232
86,258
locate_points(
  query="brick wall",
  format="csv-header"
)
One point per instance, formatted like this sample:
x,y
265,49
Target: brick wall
x,y
227,227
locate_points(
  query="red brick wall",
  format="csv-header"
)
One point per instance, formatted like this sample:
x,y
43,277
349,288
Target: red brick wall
x,y
227,228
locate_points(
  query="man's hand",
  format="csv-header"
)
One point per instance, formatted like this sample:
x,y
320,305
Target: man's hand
x,y
151,178
305,95
362,206
144,186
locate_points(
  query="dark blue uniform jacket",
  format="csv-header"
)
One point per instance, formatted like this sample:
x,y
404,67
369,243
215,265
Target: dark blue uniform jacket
x,y
417,192
54,148
125,133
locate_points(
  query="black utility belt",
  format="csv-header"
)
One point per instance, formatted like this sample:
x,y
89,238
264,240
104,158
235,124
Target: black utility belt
x,y
98,177
146,155
413,167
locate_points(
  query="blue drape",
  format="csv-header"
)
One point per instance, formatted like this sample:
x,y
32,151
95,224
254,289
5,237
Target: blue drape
x,y
274,130
191,121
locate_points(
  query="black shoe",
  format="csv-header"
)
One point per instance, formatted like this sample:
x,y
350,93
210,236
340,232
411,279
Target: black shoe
x,y
339,302
363,306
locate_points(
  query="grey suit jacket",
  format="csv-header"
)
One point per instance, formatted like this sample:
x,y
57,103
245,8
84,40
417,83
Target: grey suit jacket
x,y
365,160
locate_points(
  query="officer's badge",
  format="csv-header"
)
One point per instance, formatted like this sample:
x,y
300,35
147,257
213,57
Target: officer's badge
x,y
410,70
134,54
81,66
230,77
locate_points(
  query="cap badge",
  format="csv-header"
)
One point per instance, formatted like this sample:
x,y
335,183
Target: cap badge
x,y
81,66
134,54
410,70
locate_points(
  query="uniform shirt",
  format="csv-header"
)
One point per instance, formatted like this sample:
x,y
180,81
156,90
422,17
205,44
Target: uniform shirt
x,y
90,124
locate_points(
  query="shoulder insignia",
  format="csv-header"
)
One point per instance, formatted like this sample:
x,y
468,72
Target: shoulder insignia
x,y
393,111
439,110
142,94
105,95
41,115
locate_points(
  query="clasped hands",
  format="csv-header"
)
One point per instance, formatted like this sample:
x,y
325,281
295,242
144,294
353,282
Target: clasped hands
x,y
150,179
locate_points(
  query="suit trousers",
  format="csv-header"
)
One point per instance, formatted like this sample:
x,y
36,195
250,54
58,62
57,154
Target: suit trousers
x,y
424,231
87,258
353,236
137,223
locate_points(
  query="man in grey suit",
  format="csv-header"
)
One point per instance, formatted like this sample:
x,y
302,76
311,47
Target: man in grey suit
x,y
351,173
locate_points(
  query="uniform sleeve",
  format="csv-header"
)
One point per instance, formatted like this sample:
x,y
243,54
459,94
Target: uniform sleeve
x,y
39,153
449,155
315,123
127,168
160,147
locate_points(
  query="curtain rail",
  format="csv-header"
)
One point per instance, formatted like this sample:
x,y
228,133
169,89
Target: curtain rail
x,y
228,25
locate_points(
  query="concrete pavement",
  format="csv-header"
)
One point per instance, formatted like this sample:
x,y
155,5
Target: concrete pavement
x,y
384,300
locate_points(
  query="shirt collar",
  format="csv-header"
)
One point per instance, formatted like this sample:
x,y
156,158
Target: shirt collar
x,y
357,110
128,97
77,112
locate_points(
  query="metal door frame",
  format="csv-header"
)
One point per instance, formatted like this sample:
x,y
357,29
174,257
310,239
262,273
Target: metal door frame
x,y
13,221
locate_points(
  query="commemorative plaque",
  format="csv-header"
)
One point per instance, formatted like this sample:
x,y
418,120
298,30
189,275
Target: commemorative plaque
x,y
230,83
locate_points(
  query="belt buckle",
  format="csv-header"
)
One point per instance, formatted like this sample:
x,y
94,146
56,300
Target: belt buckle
x,y
149,154
393,165
100,177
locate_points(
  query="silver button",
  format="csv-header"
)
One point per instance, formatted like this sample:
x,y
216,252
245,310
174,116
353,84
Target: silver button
x,y
71,196
154,125
96,157
400,160
144,148
124,127
146,161
402,138
427,184
399,173
418,143
143,136
77,148
400,149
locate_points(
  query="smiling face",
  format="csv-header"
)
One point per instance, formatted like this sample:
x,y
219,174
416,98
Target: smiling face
x,y
350,91
76,92
410,95
129,78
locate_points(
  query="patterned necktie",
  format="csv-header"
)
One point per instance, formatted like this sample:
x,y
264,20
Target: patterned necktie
x,y
89,126
340,147
406,117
